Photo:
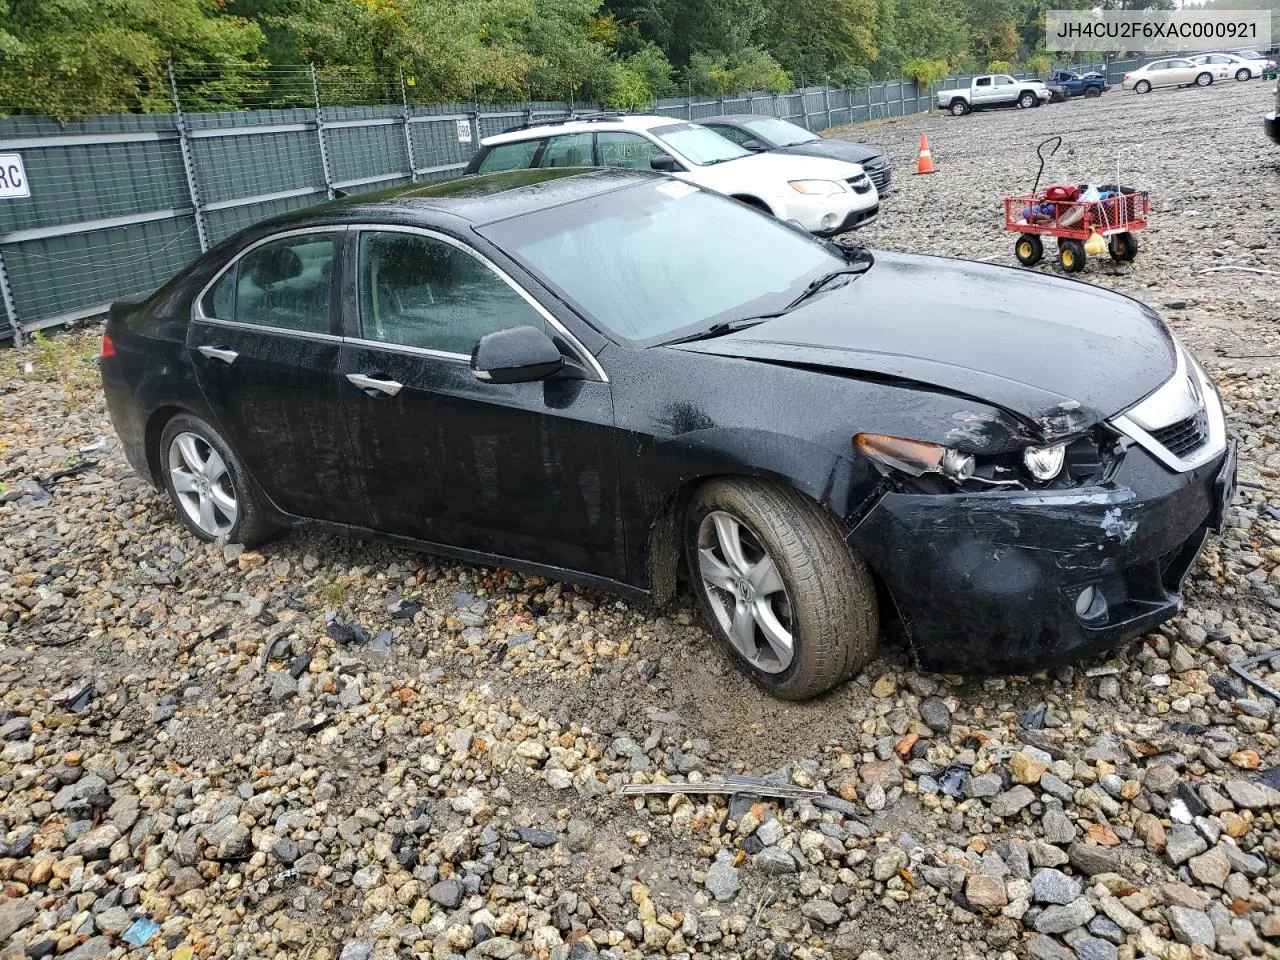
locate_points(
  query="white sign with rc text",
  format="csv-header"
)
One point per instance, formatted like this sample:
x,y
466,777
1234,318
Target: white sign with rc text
x,y
13,178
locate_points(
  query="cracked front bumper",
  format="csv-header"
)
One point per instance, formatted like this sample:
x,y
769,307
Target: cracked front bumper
x,y
990,582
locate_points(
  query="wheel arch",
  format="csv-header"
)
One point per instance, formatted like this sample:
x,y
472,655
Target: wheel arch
x,y
156,421
752,200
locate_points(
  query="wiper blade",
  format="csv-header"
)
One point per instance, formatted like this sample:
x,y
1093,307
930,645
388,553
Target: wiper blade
x,y
854,269
721,328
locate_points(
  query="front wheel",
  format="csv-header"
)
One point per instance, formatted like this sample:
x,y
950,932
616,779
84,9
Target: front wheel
x,y
1123,247
790,602
1204,79
959,108
1029,250
1071,255
208,484
1027,100
1142,86
1243,74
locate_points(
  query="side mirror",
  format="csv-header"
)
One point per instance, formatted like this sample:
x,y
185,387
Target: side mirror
x,y
664,163
518,355
755,146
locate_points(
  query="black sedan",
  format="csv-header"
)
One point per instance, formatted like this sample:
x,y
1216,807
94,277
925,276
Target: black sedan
x,y
571,371
758,134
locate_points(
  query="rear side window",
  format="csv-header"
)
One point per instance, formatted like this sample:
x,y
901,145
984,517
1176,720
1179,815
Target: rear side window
x,y
510,156
984,82
419,291
285,283
570,150
220,302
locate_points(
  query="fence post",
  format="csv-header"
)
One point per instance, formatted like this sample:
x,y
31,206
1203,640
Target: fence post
x,y
10,311
775,105
826,105
324,150
408,131
188,168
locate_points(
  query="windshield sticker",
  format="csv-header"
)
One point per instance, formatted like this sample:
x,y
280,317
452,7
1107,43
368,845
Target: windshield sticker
x,y
677,189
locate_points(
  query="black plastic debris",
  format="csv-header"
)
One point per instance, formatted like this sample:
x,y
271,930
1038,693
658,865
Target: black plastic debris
x,y
300,665
267,618
953,780
407,610
1241,669
348,634
1195,806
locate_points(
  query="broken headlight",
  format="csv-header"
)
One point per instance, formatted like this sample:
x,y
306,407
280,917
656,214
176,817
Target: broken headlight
x,y
922,467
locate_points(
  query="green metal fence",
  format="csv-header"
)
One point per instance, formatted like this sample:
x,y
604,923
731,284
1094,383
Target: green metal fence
x,y
119,204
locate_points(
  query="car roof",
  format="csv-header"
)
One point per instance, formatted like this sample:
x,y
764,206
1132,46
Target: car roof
x,y
639,121
738,118
477,199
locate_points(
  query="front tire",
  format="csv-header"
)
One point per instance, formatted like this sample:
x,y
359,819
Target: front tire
x,y
1029,249
1071,255
1027,100
959,108
1243,74
1204,79
1142,86
792,605
209,485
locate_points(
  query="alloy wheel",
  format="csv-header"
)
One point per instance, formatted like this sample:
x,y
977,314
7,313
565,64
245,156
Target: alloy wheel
x,y
745,592
203,485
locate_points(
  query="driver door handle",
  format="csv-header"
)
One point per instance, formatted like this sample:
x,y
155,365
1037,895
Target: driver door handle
x,y
219,353
389,387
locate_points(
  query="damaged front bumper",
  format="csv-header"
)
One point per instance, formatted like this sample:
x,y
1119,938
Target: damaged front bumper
x,y
1010,581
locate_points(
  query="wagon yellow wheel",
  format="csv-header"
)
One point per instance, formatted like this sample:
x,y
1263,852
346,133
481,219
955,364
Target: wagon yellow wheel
x,y
1071,255
1123,247
1029,250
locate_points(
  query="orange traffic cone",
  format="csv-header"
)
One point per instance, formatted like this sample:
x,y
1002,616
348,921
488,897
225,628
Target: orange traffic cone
x,y
925,162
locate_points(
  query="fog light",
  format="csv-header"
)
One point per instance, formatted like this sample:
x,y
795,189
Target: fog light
x,y
1045,463
828,221
1090,604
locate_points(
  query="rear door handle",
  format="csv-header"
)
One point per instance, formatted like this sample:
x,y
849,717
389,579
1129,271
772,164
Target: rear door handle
x,y
389,387
219,353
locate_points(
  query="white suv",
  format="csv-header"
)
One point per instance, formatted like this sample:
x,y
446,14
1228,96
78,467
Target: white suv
x,y
821,195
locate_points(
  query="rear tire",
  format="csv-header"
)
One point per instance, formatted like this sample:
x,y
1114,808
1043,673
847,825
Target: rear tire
x,y
1123,247
1071,255
209,485
1142,86
1092,92
1243,74
959,108
1029,250
815,592
1204,79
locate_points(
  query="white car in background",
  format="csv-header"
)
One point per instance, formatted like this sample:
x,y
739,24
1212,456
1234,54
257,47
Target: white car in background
x,y
1172,72
822,195
1246,65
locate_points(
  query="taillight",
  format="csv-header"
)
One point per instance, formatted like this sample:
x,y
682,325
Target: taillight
x,y
108,348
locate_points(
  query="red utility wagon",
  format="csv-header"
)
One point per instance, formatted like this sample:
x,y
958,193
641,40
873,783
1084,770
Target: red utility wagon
x,y
1115,217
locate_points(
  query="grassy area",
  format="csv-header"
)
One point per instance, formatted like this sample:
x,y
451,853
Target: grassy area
x,y
69,359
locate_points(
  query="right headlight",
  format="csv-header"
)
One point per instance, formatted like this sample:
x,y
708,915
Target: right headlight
x,y
817,188
1045,463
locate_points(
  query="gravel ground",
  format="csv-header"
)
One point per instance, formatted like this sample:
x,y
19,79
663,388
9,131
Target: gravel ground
x,y
334,749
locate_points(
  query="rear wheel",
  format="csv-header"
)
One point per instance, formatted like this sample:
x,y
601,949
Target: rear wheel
x,y
959,108
1204,79
1123,247
208,484
1027,100
1071,255
1092,92
792,605
1029,250
1243,74
1142,86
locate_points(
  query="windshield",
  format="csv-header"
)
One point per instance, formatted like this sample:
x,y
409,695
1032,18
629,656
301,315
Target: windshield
x,y
698,145
779,132
650,263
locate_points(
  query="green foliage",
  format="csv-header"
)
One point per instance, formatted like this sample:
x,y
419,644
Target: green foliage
x,y
709,75
999,66
1039,64
926,72
638,80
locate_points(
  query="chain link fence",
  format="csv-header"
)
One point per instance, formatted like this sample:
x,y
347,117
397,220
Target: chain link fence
x,y
116,205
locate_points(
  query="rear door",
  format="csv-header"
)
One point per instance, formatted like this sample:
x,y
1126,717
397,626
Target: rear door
x,y
265,344
983,91
525,470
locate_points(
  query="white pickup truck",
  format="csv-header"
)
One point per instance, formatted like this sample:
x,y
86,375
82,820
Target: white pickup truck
x,y
991,91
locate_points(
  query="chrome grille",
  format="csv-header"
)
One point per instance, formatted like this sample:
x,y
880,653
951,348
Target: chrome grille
x,y
1185,436
881,176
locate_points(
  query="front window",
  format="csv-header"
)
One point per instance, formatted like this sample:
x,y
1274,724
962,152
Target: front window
x,y
1251,55
650,263
1175,64
697,144
779,133
1004,81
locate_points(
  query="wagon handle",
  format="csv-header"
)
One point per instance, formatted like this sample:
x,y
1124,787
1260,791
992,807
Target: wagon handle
x,y
1043,158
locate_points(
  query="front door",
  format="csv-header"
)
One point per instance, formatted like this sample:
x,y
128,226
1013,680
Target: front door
x,y
265,352
524,470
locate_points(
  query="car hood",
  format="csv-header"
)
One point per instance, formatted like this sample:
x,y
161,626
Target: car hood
x,y
836,150
775,169
1059,354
